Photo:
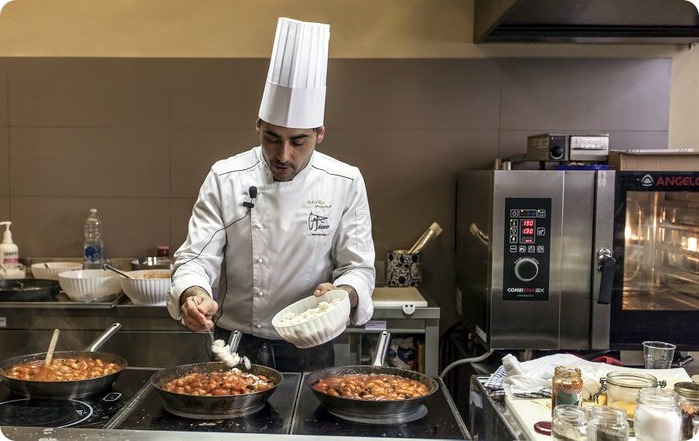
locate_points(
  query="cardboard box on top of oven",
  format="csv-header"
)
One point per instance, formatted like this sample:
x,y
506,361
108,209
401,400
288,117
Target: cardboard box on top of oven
x,y
655,160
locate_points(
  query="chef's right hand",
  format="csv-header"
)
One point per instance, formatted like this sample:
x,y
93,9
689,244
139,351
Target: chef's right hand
x,y
198,309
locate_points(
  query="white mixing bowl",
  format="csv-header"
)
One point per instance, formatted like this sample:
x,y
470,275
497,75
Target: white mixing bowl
x,y
309,323
89,285
147,287
50,270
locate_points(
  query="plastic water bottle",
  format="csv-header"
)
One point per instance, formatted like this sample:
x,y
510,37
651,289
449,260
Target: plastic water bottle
x,y
93,247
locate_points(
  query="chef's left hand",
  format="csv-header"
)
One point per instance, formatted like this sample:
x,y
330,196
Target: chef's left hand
x,y
327,286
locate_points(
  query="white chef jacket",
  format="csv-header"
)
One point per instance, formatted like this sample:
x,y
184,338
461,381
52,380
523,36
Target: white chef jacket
x,y
315,228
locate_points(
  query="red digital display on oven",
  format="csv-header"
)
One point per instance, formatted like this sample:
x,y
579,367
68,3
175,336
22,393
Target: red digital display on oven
x,y
527,231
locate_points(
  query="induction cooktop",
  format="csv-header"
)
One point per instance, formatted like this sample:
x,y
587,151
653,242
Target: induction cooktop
x,y
274,417
93,411
437,419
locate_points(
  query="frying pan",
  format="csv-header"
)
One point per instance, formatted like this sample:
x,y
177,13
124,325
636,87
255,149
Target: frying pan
x,y
218,407
27,290
205,407
65,389
373,412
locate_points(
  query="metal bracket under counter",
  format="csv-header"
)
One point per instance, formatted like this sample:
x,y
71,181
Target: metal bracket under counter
x,y
390,314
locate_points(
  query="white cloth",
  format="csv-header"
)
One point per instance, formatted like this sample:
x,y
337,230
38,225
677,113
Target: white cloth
x,y
315,228
531,377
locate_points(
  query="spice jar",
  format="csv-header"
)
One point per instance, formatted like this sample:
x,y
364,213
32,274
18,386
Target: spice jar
x,y
657,415
608,424
566,387
688,395
569,423
622,389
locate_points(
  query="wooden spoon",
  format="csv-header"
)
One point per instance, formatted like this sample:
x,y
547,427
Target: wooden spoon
x,y
45,372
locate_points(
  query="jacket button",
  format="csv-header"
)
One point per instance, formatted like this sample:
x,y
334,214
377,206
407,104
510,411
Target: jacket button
x,y
260,260
258,325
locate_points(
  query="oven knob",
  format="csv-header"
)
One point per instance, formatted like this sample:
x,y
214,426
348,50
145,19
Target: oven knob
x,y
526,269
557,152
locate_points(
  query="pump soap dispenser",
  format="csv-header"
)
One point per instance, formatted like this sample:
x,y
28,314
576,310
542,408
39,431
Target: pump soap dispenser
x,y
10,267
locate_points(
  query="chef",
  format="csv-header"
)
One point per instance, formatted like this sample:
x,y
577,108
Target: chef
x,y
280,221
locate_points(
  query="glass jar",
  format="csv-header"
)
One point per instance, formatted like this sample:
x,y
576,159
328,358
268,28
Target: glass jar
x,y
688,395
162,251
569,423
622,389
608,424
657,416
566,387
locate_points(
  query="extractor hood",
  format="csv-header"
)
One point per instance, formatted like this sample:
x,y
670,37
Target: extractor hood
x,y
586,21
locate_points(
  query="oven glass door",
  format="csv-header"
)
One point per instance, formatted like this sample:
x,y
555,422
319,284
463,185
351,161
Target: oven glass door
x,y
656,283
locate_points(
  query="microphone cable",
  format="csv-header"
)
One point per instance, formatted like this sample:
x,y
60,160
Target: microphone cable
x,y
249,205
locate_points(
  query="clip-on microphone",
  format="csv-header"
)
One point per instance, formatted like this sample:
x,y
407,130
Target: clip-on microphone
x,y
253,195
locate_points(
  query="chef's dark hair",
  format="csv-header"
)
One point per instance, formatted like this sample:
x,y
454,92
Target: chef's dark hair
x,y
259,122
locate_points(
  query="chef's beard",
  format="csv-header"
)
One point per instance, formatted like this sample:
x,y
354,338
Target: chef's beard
x,y
289,172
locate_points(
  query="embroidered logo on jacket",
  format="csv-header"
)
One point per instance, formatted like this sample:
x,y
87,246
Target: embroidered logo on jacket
x,y
318,222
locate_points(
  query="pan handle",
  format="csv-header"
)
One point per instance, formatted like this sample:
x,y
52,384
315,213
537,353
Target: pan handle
x,y
234,340
381,348
106,335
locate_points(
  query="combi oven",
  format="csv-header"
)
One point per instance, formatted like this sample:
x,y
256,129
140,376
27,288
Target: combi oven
x,y
656,289
578,259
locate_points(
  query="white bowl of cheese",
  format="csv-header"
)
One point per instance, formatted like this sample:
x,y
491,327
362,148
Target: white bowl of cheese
x,y
314,320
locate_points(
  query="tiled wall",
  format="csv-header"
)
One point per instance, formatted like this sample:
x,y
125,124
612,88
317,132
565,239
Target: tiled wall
x,y
135,137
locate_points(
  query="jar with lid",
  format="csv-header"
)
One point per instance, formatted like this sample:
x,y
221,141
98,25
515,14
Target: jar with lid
x,y
569,423
622,389
657,416
688,397
608,424
163,251
566,387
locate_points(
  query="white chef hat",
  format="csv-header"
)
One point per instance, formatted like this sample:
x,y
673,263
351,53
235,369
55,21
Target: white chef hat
x,y
294,94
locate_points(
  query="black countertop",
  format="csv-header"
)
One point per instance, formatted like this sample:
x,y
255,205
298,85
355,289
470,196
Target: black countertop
x,y
133,409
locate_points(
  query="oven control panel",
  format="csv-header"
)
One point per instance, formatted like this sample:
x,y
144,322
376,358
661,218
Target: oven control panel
x,y
527,248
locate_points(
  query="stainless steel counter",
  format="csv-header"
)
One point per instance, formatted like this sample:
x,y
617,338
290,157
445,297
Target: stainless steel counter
x,y
150,338
489,417
30,434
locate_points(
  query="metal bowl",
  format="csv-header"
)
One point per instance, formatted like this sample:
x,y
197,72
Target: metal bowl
x,y
143,263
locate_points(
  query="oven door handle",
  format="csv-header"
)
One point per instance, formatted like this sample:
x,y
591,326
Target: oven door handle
x,y
606,265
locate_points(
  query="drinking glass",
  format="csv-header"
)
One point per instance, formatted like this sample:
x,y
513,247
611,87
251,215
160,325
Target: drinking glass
x,y
658,354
